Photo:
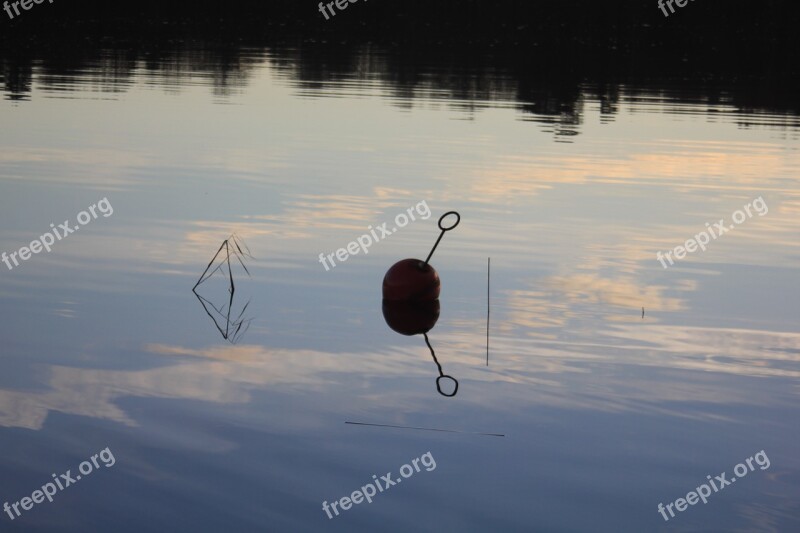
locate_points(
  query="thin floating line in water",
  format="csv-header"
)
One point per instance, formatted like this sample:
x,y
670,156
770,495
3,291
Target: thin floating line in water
x,y
424,429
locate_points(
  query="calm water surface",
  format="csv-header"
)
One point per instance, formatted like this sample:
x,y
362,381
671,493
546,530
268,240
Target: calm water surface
x,y
605,412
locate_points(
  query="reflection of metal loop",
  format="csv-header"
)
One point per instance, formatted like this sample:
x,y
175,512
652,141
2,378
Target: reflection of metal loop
x,y
441,373
441,218
439,388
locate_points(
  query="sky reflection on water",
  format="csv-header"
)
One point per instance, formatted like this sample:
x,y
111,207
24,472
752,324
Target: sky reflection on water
x,y
606,413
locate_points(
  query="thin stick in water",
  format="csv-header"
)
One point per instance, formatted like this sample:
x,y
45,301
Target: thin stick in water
x,y
424,429
488,272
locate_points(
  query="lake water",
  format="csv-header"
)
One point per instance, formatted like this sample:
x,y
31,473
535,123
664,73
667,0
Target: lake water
x,y
616,384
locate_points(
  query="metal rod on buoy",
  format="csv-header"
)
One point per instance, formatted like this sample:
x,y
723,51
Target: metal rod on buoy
x,y
458,219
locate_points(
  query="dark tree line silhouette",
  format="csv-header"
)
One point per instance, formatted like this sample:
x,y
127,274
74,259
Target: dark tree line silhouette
x,y
546,56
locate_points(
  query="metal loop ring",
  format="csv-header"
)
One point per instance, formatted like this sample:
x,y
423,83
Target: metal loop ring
x,y
441,218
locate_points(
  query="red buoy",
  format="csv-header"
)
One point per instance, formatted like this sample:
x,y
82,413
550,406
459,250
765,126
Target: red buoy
x,y
411,280
414,280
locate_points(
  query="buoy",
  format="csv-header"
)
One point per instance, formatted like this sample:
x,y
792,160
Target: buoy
x,y
411,318
411,280
414,280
